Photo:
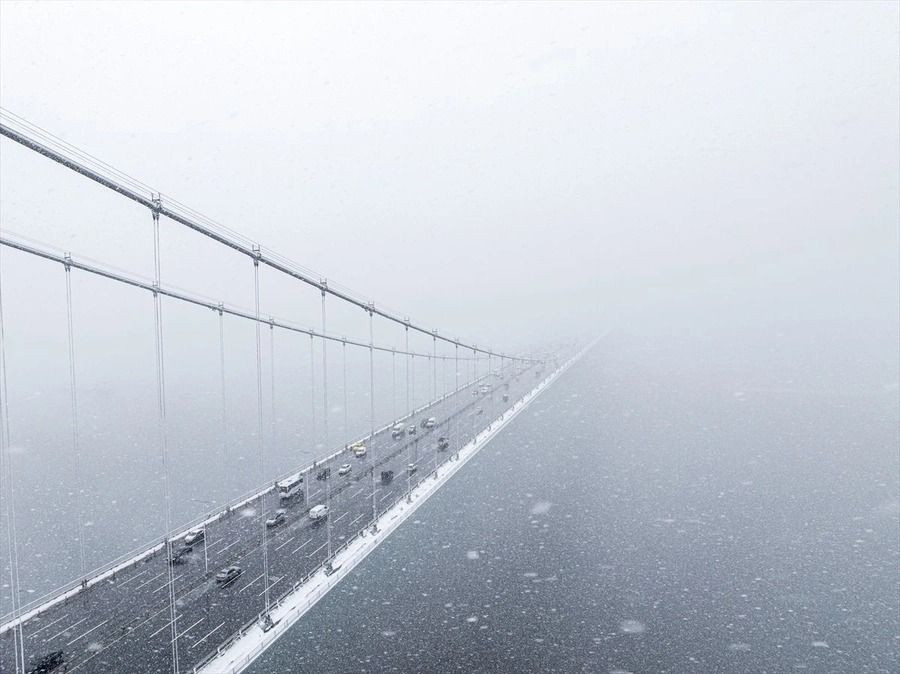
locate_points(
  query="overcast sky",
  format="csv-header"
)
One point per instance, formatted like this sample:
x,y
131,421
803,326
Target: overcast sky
x,y
489,168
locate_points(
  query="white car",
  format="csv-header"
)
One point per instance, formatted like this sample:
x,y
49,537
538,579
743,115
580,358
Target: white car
x,y
194,536
411,468
319,512
411,429
358,449
344,469
430,422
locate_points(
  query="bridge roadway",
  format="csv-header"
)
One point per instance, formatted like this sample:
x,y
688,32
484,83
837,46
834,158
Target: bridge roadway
x,y
123,623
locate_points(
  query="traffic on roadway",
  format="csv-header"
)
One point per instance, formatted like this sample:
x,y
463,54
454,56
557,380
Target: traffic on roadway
x,y
219,576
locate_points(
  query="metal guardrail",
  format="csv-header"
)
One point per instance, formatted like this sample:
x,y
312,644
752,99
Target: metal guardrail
x,y
148,550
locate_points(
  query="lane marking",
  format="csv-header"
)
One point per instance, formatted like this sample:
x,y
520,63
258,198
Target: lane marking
x,y
285,543
125,582
61,632
188,629
317,549
48,625
338,519
88,632
168,624
166,584
302,546
235,542
208,635
149,581
250,583
356,520
271,585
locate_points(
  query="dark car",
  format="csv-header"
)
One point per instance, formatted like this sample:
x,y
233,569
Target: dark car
x,y
48,663
179,556
228,575
277,518
443,444
387,476
323,474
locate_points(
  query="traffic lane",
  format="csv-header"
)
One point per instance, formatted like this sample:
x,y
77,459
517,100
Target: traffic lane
x,y
244,525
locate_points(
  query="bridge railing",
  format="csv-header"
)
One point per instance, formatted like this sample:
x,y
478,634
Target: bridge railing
x,y
148,550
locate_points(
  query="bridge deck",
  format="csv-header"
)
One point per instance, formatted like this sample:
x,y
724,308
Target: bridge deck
x,y
123,622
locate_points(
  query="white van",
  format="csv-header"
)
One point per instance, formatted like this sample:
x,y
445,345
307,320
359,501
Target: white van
x,y
319,512
397,431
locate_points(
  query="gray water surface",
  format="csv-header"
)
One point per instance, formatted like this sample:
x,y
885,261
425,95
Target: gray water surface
x,y
668,505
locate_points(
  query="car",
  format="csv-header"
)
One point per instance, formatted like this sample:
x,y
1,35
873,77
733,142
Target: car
x,y
443,444
277,518
323,474
344,469
397,431
180,556
319,512
228,575
411,429
48,663
430,422
387,476
506,397
484,390
194,536
358,449
411,468
479,411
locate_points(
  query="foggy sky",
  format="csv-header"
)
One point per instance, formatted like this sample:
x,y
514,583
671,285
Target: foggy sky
x,y
496,170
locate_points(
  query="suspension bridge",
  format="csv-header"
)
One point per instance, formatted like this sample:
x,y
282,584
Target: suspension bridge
x,y
209,593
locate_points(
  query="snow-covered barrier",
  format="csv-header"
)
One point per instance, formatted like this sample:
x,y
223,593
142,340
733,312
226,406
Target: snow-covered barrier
x,y
242,648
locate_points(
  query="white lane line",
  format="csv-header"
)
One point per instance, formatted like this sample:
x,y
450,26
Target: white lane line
x,y
208,635
358,518
317,491
302,546
250,583
88,632
189,629
235,542
147,582
317,549
355,494
61,632
166,584
285,543
271,585
338,519
125,582
388,495
49,625
163,627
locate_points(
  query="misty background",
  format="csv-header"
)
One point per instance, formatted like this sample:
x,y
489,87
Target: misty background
x,y
511,174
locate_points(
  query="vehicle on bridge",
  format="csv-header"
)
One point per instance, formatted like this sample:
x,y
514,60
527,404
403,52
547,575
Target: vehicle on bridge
x,y
194,536
180,555
411,429
479,411
289,487
397,431
506,397
358,449
430,422
323,474
277,518
228,575
387,476
443,444
344,469
48,663
319,512
411,468
484,390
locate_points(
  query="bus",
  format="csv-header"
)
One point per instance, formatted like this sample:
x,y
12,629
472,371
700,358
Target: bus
x,y
287,488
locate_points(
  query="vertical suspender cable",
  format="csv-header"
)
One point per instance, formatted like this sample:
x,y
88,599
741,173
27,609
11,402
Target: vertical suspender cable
x,y
76,445
163,439
259,436
344,351
408,408
10,500
371,374
434,366
312,388
393,384
273,421
325,379
222,382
